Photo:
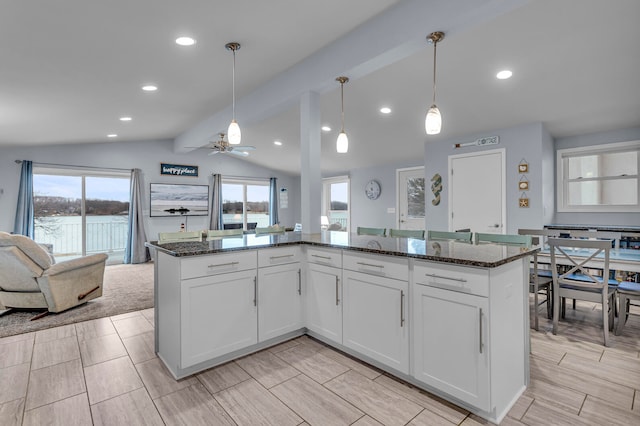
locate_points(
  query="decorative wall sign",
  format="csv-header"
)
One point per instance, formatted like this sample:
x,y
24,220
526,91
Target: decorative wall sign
x,y
178,170
523,167
523,185
523,202
436,188
490,140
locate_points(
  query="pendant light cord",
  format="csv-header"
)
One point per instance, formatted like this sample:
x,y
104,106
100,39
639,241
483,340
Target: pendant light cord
x,y
435,46
342,103
233,90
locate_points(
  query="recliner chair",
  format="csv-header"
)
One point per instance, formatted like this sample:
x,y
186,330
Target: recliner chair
x,y
30,278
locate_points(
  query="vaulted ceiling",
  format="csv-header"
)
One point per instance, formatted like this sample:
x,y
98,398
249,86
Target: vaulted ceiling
x,y
71,68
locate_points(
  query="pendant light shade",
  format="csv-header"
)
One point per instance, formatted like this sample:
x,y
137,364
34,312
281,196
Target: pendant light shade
x,y
233,131
433,120
342,144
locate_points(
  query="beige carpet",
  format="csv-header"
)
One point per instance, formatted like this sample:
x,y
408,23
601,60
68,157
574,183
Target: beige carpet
x,y
126,288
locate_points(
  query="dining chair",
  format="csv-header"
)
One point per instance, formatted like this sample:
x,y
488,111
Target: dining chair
x,y
407,233
275,229
513,239
216,234
592,288
445,235
179,237
628,292
540,280
607,235
371,231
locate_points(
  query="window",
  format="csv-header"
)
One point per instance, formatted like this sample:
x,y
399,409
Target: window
x,y
80,212
602,178
245,203
335,203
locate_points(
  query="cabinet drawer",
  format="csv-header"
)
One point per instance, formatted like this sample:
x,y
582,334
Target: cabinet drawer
x,y
214,264
452,277
278,256
329,257
384,266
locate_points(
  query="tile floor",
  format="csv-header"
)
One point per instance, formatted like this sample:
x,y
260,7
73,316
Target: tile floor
x,y
104,372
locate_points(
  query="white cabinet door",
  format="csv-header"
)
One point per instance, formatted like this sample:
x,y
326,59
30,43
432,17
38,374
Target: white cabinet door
x,y
279,300
375,318
323,301
450,347
218,315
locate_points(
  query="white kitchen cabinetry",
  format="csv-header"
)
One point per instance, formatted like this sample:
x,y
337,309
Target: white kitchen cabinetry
x,y
219,315
324,294
460,346
280,292
375,314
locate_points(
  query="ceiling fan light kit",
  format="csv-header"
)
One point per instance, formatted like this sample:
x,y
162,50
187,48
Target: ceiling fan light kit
x,y
342,144
235,136
433,120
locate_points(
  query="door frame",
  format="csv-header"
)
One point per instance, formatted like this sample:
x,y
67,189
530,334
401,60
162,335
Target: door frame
x,y
503,162
398,171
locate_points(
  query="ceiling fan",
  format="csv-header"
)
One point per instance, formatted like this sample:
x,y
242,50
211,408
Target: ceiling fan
x,y
224,147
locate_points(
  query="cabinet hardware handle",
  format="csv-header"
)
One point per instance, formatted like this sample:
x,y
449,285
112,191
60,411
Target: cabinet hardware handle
x,y
255,291
299,282
321,257
481,344
370,264
462,280
223,264
337,290
280,257
401,308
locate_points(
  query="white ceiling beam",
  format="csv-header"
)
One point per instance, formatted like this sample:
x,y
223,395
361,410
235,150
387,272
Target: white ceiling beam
x,y
387,38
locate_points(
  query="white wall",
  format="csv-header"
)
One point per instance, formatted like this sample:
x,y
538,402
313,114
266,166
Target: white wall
x,y
146,156
621,135
529,142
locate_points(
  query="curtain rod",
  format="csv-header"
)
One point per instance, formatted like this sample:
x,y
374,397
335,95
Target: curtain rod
x,y
77,167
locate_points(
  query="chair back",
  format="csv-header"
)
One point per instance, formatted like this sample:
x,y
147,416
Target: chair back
x,y
444,235
407,233
371,231
510,239
563,251
216,234
179,237
275,229
606,235
539,236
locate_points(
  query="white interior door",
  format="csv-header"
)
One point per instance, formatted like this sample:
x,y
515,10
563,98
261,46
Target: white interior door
x,y
411,198
477,192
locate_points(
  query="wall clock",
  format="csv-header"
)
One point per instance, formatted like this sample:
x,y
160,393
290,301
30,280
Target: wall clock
x,y
372,190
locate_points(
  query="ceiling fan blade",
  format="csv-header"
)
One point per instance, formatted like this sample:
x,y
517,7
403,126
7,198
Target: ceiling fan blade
x,y
244,148
213,152
238,153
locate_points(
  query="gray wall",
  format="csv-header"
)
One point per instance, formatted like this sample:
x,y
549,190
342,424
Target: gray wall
x,y
146,156
373,213
621,135
529,142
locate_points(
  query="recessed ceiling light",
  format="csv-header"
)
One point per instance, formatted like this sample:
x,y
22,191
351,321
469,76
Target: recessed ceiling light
x,y
112,135
277,143
150,88
504,74
185,41
125,119
385,110
326,128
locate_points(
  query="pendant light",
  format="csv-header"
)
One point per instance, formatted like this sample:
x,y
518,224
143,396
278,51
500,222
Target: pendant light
x,y
342,144
234,130
433,121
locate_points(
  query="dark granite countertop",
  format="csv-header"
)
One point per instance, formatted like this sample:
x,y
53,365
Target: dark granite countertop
x,y
480,255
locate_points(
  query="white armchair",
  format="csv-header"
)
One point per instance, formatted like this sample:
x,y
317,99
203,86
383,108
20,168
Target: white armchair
x,y
30,278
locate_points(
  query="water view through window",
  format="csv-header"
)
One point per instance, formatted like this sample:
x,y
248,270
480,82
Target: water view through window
x,y
79,214
245,204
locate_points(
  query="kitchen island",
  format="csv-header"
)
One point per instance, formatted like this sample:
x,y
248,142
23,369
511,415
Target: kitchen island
x,y
449,317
